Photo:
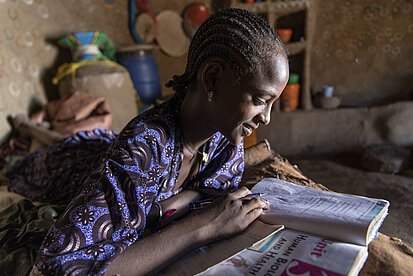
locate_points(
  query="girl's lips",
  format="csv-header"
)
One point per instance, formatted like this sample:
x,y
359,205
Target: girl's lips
x,y
247,130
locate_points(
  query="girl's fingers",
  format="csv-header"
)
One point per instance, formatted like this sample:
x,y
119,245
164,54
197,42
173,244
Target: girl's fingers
x,y
253,215
250,203
241,192
254,208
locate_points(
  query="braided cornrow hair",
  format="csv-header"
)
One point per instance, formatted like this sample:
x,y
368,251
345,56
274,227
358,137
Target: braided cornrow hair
x,y
240,38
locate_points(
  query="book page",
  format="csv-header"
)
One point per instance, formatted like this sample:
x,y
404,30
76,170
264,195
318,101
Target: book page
x,y
334,215
290,252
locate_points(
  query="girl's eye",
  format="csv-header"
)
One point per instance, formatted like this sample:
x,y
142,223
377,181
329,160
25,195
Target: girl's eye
x,y
258,101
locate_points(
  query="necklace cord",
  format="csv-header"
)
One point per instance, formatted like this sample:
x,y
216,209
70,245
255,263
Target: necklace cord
x,y
188,145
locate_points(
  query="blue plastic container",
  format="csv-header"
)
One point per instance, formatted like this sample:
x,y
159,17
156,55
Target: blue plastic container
x,y
144,73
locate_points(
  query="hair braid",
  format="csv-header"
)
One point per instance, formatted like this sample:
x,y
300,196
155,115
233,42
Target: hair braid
x,y
240,38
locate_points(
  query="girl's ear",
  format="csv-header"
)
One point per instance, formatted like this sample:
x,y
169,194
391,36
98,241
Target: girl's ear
x,y
211,74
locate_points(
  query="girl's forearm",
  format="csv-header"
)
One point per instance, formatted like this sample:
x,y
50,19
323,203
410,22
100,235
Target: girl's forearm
x,y
224,217
160,249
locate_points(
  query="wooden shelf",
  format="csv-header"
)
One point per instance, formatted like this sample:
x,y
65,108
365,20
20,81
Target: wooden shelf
x,y
286,7
295,47
258,7
278,9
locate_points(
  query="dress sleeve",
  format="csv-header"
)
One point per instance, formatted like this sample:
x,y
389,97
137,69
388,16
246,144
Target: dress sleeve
x,y
109,214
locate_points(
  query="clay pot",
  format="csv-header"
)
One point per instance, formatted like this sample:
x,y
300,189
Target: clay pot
x,y
327,103
193,16
290,97
284,34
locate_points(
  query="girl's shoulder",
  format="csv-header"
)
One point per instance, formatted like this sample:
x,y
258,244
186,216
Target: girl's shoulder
x,y
157,123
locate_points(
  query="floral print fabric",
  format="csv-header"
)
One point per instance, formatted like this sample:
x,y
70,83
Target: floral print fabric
x,y
141,165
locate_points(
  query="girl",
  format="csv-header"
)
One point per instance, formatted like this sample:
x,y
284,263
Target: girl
x,y
185,149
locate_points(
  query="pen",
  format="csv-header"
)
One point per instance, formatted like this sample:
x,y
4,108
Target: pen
x,y
199,204
255,194
202,203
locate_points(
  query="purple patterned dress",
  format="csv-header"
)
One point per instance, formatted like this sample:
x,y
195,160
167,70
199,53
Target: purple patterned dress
x,y
118,186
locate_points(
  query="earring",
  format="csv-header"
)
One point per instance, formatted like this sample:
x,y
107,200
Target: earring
x,y
210,96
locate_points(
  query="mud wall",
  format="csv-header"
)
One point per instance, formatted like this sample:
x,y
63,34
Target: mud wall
x,y
364,48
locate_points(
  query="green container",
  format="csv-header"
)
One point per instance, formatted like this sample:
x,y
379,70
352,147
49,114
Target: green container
x,y
293,78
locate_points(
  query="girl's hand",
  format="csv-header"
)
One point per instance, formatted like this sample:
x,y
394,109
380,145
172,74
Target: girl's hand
x,y
230,214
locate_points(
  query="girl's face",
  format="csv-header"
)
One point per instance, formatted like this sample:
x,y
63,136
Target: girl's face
x,y
240,107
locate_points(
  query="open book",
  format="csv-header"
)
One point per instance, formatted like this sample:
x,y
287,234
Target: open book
x,y
347,218
325,233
